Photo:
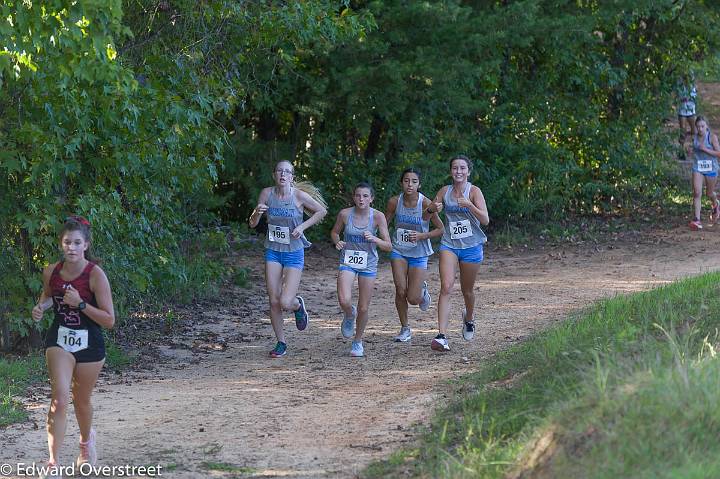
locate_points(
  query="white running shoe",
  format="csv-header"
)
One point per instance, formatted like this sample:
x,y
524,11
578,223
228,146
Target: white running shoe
x,y
439,343
425,304
468,328
357,350
404,336
88,453
348,324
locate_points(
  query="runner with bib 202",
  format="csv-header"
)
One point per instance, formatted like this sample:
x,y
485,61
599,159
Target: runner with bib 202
x,y
79,293
360,225
285,244
461,246
411,247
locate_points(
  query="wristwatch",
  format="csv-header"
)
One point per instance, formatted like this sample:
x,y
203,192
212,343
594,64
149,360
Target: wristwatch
x,y
81,305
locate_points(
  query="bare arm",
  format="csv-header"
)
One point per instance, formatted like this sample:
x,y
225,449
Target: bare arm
x,y
716,147
260,208
391,208
307,201
437,204
45,302
384,240
337,228
476,205
104,313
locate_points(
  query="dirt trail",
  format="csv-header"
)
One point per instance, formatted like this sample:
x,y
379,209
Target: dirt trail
x,y
319,412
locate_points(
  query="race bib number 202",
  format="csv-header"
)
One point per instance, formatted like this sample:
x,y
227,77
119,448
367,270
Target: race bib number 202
x,y
355,259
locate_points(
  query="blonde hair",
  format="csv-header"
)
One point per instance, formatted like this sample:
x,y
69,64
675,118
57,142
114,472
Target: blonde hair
x,y
313,191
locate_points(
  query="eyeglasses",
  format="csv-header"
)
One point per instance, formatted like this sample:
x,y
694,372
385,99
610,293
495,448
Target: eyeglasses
x,y
287,172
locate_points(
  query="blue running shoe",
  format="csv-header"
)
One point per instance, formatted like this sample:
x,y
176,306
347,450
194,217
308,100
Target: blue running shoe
x,y
348,324
279,351
301,315
357,350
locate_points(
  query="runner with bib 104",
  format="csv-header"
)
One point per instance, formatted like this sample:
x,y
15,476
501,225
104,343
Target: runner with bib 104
x,y
358,257
461,246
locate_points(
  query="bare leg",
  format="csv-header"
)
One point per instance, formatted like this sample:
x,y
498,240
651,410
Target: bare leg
x,y
448,266
60,365
365,287
84,379
400,270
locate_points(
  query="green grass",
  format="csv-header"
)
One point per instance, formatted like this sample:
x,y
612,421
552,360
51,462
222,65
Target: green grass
x,y
628,388
225,467
115,357
15,376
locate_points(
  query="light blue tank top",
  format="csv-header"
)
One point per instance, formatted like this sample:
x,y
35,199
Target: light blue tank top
x,y
410,219
357,247
701,156
283,216
462,228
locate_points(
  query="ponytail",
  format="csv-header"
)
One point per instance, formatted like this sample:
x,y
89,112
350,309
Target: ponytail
x,y
313,191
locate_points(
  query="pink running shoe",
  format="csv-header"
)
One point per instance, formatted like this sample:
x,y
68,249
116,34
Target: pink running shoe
x,y
695,225
88,453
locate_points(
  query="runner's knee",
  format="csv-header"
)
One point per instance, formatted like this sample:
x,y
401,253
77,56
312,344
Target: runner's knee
x,y
59,403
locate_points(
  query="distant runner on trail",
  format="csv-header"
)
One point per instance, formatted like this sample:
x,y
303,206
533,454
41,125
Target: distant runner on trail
x,y
79,293
285,244
686,96
358,257
705,170
461,245
411,247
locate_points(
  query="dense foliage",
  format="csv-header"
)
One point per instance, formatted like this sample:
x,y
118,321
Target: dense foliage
x,y
132,113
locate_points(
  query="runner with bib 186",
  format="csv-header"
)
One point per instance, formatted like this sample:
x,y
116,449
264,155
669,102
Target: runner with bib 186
x,y
411,247
79,293
285,245
705,170
461,245
358,257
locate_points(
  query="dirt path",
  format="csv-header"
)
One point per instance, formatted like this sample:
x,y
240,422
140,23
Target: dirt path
x,y
217,398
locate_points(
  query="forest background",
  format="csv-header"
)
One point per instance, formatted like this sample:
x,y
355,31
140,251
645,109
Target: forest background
x,y
161,120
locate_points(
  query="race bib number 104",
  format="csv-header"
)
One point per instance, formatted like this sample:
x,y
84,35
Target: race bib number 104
x,y
72,340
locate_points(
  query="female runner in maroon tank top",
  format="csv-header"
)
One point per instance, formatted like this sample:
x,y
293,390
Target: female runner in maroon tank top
x,y
79,293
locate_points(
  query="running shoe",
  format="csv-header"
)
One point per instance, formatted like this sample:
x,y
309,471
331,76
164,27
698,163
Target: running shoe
x,y
357,350
348,324
715,212
279,351
440,343
468,328
404,336
695,225
425,304
87,451
301,315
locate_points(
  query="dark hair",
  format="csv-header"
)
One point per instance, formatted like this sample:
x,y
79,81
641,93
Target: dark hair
x,y
412,169
78,223
364,184
700,118
467,161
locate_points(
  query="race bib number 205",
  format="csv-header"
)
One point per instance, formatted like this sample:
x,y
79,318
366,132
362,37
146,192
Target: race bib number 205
x,y
460,229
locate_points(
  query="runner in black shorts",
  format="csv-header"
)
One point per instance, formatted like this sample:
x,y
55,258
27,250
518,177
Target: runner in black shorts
x,y
79,293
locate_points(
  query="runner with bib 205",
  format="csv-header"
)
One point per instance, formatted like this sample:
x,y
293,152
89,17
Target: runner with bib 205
x,y
360,225
285,244
411,247
461,246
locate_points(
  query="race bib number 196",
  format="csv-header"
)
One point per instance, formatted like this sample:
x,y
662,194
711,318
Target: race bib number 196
x,y
279,234
403,237
704,166
460,229
72,340
356,259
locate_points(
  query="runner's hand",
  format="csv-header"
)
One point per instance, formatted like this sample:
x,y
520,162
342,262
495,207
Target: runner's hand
x,y
37,312
261,208
369,236
340,245
464,202
297,232
72,297
438,207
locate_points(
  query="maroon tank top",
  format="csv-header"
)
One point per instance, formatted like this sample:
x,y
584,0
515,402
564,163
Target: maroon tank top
x,y
67,316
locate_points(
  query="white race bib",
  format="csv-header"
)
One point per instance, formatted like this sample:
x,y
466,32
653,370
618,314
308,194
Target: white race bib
x,y
279,234
356,259
403,237
72,340
704,166
460,229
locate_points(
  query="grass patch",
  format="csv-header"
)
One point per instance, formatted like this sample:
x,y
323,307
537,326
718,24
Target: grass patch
x,y
16,374
628,388
115,357
225,467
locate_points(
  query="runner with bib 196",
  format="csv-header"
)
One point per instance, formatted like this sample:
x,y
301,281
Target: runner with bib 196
x,y
411,247
461,246
358,257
